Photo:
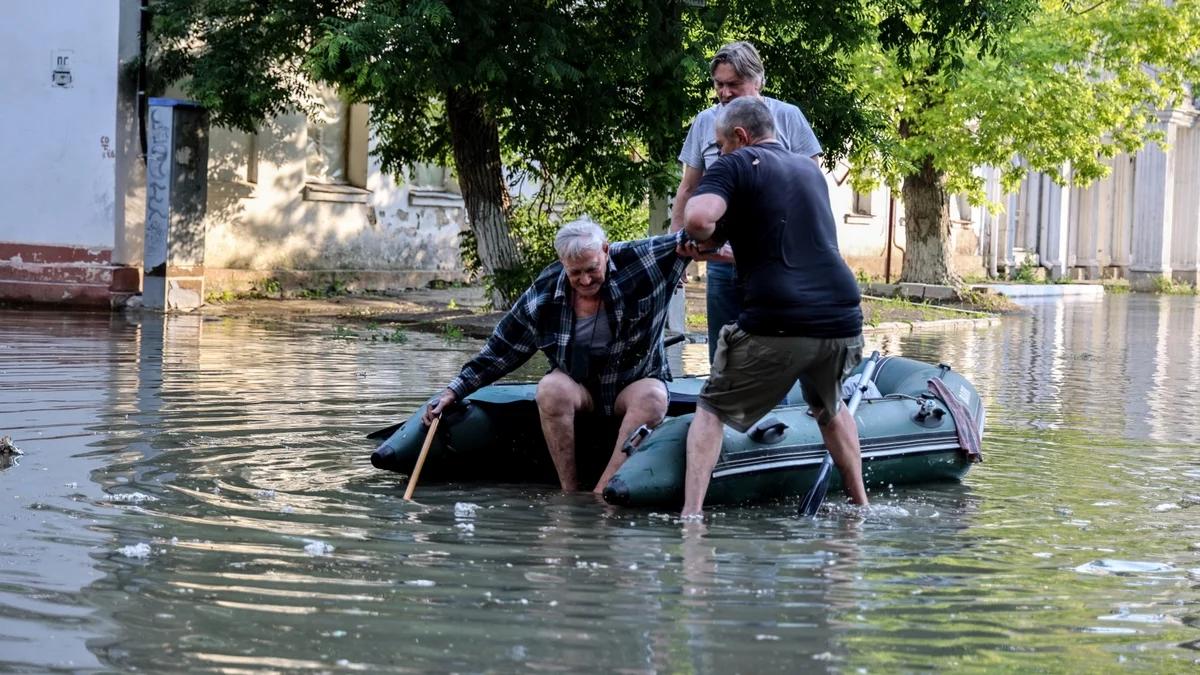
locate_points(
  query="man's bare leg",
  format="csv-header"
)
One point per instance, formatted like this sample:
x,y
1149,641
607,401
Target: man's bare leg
x,y
841,437
559,398
703,449
643,402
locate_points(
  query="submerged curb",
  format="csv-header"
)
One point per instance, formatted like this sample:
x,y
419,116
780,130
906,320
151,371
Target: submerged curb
x,y
462,309
936,324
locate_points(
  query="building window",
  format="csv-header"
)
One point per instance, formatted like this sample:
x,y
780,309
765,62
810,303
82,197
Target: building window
x,y
336,151
860,204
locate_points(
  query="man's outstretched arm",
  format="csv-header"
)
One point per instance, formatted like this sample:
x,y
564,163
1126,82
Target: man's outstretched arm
x,y
701,214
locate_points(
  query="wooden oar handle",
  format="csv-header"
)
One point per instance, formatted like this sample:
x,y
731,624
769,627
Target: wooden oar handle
x,y
416,474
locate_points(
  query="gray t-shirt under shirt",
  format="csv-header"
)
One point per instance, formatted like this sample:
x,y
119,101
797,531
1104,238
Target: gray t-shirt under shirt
x,y
700,149
593,333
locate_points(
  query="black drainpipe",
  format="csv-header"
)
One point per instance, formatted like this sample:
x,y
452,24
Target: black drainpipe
x,y
143,40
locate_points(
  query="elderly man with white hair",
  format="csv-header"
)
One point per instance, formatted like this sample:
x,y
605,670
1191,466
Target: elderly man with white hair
x,y
598,316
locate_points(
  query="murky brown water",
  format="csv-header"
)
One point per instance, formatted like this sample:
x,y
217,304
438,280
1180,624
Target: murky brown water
x,y
197,495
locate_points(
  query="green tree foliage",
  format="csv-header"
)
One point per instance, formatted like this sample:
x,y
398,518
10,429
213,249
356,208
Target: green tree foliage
x,y
1056,84
587,94
805,47
552,88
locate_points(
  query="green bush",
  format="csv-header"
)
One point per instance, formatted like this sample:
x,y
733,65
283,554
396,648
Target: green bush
x,y
1028,272
1168,286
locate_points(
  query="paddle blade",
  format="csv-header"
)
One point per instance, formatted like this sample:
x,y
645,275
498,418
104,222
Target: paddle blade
x,y
816,494
384,433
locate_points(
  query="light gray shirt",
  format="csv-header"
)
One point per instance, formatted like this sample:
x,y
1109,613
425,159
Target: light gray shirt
x,y
593,333
700,149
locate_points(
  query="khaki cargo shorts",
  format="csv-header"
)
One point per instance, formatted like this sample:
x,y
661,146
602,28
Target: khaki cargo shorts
x,y
752,373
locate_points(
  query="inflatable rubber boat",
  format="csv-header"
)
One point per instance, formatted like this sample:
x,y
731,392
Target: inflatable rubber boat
x,y
921,423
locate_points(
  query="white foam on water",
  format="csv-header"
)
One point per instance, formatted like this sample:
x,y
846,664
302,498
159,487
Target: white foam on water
x,y
1043,554
130,498
1109,566
422,583
1111,630
140,551
465,509
888,511
466,527
318,548
1166,507
1137,618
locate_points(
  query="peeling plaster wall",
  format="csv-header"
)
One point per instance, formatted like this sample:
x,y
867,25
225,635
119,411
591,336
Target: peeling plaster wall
x,y
269,224
862,239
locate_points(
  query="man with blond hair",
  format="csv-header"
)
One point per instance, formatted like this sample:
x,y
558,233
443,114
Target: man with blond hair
x,y
736,71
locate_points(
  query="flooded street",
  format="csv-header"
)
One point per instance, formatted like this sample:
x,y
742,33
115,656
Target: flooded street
x,y
197,494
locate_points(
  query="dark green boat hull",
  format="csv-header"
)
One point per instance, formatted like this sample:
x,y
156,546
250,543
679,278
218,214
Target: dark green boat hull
x,y
496,437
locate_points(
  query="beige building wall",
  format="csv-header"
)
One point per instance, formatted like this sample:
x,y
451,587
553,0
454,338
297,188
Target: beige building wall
x,y
303,201
863,223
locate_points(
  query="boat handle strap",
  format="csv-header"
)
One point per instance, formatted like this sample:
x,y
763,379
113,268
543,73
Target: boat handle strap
x,y
635,439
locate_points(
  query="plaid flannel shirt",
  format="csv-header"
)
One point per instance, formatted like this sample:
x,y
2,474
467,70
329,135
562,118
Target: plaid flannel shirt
x,y
641,277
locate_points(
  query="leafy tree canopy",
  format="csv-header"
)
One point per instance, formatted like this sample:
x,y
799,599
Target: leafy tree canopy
x,y
589,94
1052,83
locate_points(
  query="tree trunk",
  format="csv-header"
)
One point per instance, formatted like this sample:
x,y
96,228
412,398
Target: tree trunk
x,y
927,248
476,142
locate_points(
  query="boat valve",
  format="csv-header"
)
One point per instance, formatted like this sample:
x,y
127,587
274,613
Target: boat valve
x,y
635,439
928,414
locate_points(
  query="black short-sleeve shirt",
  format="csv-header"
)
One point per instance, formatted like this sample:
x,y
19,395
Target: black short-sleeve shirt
x,y
784,239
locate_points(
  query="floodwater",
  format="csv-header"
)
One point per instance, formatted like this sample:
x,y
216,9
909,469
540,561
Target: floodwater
x,y
197,495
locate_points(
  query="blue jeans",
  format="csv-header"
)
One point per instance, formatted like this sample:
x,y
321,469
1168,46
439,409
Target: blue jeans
x,y
724,301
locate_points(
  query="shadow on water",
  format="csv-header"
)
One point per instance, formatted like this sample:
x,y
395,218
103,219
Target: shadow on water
x,y
196,495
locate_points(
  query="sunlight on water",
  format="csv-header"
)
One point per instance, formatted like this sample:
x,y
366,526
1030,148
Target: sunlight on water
x,y
197,494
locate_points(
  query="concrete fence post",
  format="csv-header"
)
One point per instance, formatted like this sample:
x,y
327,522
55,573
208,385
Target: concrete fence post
x,y
176,196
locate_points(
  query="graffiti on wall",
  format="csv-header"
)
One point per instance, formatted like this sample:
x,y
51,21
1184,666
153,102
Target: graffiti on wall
x,y
158,189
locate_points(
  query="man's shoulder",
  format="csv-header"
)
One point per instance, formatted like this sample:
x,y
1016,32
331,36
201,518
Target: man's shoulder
x,y
549,274
782,109
544,285
707,117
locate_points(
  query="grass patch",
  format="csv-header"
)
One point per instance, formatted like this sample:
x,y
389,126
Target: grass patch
x,y
988,303
266,288
220,297
1116,286
1167,286
396,335
452,334
878,311
1028,272
334,288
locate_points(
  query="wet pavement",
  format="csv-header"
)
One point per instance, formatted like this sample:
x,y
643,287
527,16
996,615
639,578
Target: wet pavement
x,y
195,494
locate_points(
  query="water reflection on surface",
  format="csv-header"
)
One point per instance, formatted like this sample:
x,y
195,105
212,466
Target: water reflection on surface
x,y
197,494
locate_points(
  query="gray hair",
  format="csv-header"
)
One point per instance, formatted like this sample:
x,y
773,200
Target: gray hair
x,y
578,237
743,58
750,113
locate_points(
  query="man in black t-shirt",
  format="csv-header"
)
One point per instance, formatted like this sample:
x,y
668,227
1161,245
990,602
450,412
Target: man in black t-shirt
x,y
800,310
